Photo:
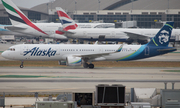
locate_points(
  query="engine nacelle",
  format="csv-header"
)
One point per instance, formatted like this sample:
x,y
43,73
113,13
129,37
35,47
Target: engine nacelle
x,y
73,61
62,62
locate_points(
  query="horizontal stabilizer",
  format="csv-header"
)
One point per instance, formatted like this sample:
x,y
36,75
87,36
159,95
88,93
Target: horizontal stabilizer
x,y
169,49
15,28
67,32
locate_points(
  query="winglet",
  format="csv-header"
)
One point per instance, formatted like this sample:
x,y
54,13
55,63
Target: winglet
x,y
120,48
96,43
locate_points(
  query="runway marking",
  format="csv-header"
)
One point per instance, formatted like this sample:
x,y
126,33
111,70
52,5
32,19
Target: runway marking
x,y
171,70
33,76
20,76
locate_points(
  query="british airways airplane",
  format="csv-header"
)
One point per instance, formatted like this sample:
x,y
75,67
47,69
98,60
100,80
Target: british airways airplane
x,y
75,55
109,34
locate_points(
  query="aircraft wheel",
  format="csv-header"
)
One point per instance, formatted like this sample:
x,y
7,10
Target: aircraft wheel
x,y
21,66
85,65
91,66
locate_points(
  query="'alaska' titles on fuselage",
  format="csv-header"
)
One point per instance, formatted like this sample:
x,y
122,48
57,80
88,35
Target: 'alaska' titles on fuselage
x,y
40,52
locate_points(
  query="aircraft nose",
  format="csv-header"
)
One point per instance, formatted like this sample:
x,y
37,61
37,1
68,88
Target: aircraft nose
x,y
4,54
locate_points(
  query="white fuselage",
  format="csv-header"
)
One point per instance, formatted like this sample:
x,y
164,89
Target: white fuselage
x,y
62,51
49,29
115,33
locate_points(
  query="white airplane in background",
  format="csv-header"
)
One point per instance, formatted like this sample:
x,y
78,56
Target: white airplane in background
x,y
109,34
21,24
4,31
75,55
95,25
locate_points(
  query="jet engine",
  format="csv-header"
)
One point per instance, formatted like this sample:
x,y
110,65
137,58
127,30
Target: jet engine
x,y
73,61
61,62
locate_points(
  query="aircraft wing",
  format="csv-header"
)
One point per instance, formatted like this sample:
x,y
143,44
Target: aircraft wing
x,y
93,56
12,28
136,36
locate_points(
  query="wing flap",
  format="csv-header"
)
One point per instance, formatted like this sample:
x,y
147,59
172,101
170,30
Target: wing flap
x,y
136,36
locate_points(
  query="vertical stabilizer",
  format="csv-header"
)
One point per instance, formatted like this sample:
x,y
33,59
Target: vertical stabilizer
x,y
15,14
163,36
66,21
17,17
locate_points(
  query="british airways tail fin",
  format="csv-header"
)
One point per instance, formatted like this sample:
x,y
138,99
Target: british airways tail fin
x,y
66,21
163,36
15,14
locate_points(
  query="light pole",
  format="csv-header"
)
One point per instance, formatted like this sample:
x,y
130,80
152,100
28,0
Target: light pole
x,y
132,4
99,4
51,1
75,6
168,4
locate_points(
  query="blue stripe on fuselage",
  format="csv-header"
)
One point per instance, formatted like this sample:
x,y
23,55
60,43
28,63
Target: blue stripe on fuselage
x,y
141,53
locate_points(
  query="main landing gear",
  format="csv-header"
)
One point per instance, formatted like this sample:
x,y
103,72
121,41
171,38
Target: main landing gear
x,y
86,65
21,66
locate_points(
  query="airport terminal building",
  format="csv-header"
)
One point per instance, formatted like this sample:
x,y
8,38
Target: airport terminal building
x,y
147,13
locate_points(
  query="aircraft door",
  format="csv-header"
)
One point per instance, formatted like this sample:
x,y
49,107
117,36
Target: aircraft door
x,y
113,34
100,50
22,49
147,51
57,51
84,33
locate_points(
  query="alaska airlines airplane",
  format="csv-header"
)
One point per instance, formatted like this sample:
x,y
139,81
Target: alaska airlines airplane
x,y
21,24
109,34
75,55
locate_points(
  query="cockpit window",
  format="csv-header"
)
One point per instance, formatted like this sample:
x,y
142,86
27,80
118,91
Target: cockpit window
x,y
11,49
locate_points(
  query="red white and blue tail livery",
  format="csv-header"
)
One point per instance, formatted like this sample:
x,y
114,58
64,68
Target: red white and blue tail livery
x,y
66,21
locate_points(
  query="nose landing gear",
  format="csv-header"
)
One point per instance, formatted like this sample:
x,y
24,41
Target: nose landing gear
x,y
21,66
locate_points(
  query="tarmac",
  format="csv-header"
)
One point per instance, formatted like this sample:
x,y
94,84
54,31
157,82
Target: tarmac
x,y
44,79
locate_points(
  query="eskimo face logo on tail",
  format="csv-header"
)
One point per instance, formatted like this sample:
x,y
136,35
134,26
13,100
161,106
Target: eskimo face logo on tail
x,y
164,37
39,52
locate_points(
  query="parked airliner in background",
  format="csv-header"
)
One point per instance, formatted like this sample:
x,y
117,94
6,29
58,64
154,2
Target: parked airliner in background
x,y
75,55
4,31
109,34
21,24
